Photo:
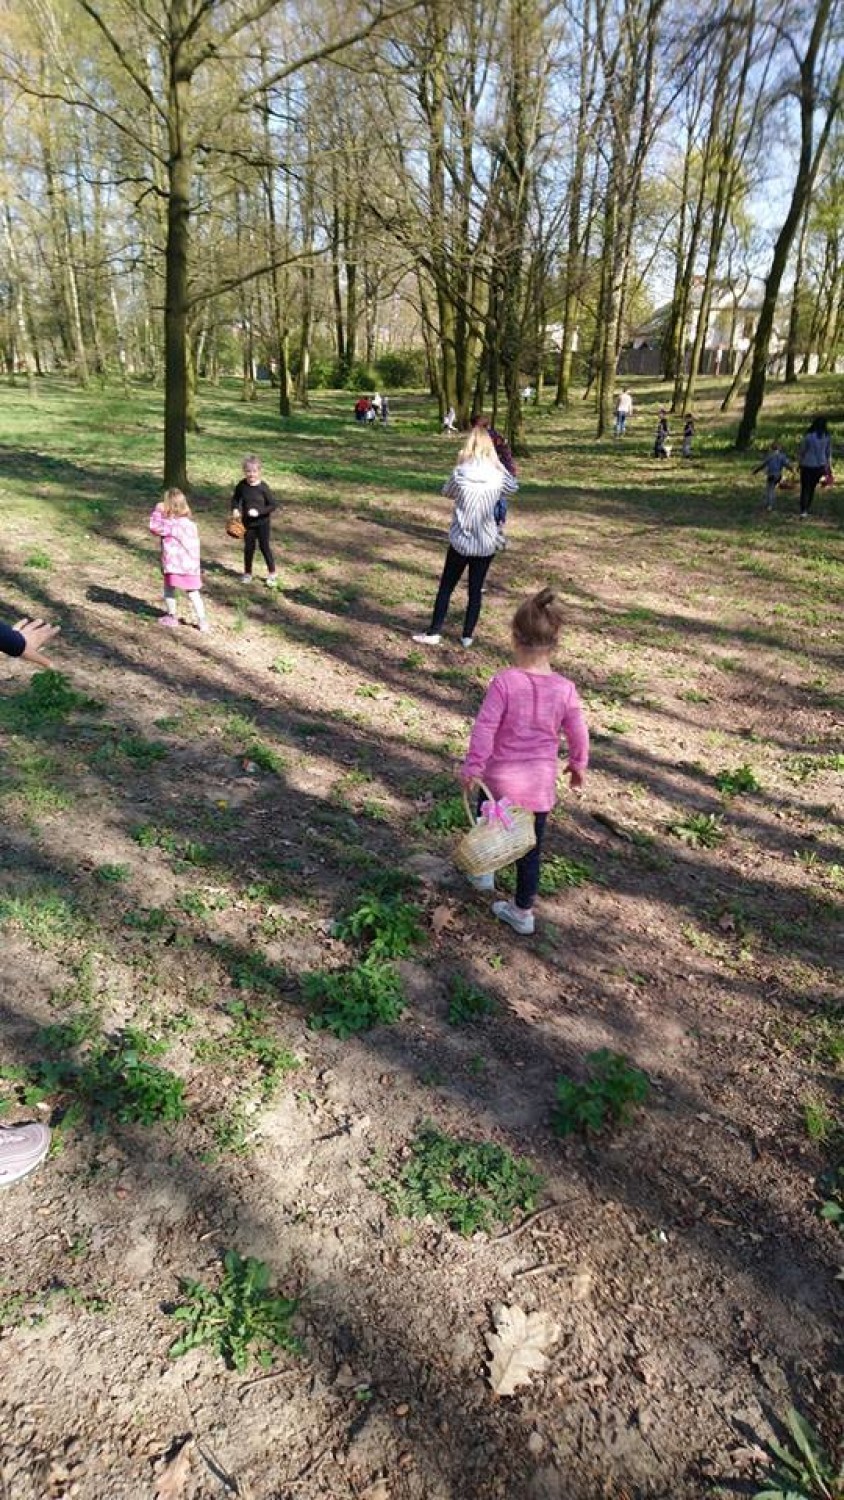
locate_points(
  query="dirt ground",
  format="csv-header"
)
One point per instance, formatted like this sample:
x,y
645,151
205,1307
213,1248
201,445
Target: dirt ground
x,y
693,1284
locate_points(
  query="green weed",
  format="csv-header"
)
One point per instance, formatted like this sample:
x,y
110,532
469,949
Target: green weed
x,y
239,1320
802,767
388,925
264,757
38,559
818,1120
110,1078
248,970
555,875
700,830
251,1043
353,1000
607,1099
467,1003
732,783
45,917
47,699
112,874
283,664
802,1470
467,1184
446,816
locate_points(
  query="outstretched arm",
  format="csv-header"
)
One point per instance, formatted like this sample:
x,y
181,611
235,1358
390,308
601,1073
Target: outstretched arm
x,y
26,639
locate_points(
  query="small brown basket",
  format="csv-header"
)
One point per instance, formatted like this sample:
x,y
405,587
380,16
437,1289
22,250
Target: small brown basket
x,y
235,528
488,847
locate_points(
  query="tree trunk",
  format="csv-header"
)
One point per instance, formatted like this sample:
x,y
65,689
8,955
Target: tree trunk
x,y
18,324
176,280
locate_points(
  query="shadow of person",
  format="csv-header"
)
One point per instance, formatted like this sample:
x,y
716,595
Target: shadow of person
x,y
119,600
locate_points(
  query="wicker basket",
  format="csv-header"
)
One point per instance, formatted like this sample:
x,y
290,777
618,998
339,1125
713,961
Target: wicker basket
x,y
235,528
488,847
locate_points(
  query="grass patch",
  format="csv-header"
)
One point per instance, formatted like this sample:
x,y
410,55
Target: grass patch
x,y
733,783
44,916
699,830
607,1099
47,699
249,1042
240,1320
467,1003
466,1184
353,1000
555,874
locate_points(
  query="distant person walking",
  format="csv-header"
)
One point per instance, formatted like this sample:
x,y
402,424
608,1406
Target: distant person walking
x,y
688,434
450,420
815,457
773,466
623,412
477,483
385,410
662,441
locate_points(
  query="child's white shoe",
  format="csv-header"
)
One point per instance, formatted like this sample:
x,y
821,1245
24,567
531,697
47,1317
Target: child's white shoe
x,y
520,921
482,882
423,639
466,641
247,578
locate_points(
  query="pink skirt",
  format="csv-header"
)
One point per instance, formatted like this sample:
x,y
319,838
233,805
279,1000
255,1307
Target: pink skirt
x,y
190,582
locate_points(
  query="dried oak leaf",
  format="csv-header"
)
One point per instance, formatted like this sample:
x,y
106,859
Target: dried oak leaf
x,y
170,1484
441,917
517,1346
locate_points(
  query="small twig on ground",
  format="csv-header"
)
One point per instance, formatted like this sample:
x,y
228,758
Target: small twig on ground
x,y
249,1385
509,1234
228,1481
616,828
554,1265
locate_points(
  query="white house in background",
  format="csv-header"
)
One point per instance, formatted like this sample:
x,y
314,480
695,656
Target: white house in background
x,y
731,325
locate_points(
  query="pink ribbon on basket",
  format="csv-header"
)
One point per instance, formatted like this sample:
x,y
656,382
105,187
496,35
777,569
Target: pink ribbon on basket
x,y
498,812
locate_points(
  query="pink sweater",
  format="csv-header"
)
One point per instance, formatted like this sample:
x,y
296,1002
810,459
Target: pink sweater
x,y
179,543
516,736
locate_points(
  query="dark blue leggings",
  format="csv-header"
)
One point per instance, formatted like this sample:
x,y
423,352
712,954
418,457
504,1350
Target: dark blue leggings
x,y
453,567
527,868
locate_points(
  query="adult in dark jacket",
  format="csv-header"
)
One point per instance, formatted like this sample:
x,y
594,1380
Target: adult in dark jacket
x,y
253,501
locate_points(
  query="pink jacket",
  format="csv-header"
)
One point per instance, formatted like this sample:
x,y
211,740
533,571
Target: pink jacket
x,y
179,542
516,736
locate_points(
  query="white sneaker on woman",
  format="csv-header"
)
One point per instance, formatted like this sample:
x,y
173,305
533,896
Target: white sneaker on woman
x,y
520,921
427,640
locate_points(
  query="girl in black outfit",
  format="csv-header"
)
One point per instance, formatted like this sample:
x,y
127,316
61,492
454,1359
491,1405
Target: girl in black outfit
x,y
253,502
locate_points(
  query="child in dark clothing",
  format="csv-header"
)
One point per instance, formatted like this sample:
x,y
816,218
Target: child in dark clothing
x,y
253,502
662,441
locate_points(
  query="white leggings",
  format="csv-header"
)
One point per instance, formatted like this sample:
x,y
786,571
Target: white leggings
x,y
195,598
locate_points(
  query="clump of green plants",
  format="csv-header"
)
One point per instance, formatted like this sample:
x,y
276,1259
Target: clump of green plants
x,y
609,1096
111,1079
239,1320
802,1470
264,757
352,1000
388,925
43,915
700,830
47,698
250,1042
733,783
556,874
819,1121
149,836
802,767
446,816
112,874
471,1185
467,1003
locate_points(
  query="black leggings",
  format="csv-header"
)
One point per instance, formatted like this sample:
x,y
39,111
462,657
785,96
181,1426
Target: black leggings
x,y
258,535
453,567
527,868
810,478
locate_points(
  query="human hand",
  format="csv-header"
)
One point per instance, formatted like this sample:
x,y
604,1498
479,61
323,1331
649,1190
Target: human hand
x,y
576,778
236,513
252,513
469,783
36,634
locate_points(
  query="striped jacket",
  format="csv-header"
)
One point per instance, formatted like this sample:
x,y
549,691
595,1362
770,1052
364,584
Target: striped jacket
x,y
475,489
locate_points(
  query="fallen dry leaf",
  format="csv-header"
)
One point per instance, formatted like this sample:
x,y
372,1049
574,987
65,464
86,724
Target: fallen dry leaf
x,y
517,1346
441,917
170,1484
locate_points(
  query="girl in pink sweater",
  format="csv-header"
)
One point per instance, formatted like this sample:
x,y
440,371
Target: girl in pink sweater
x,y
171,520
515,740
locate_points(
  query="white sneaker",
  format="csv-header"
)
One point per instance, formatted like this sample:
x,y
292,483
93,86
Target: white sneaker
x,y
427,640
272,580
520,921
247,578
482,882
466,640
22,1148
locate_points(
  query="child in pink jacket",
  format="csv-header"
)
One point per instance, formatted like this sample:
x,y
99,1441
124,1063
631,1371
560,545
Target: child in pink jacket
x,y
171,520
515,742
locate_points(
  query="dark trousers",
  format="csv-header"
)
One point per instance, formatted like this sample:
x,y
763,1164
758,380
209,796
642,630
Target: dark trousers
x,y
453,568
810,478
527,868
258,535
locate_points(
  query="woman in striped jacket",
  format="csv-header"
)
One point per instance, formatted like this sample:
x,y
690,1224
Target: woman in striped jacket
x,y
477,483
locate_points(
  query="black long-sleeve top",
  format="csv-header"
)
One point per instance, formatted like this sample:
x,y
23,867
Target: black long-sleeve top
x,y
258,497
11,641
